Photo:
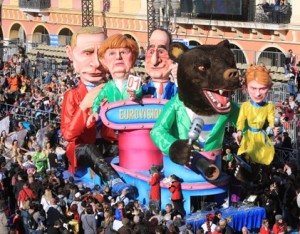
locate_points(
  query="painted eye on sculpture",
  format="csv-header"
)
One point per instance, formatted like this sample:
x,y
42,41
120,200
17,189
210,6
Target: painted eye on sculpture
x,y
201,68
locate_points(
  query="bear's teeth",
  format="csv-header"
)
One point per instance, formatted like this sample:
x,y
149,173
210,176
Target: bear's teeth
x,y
221,91
219,105
227,104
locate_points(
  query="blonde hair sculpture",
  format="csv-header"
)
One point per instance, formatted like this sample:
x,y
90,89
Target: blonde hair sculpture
x,y
260,74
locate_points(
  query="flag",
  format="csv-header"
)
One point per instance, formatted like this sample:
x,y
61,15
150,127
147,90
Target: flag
x,y
19,136
4,125
41,136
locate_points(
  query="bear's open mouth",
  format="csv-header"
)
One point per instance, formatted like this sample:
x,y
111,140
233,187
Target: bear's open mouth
x,y
219,99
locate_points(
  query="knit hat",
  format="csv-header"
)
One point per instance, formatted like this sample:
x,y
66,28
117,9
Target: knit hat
x,y
210,217
277,217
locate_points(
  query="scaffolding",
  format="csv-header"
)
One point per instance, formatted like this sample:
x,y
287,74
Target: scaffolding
x,y
87,7
150,18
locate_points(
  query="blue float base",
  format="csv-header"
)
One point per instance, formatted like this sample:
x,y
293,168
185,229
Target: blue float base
x,y
84,176
140,179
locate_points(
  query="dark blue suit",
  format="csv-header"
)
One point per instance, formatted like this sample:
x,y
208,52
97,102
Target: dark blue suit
x,y
169,91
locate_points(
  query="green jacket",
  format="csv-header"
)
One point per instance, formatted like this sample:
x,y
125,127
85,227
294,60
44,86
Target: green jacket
x,y
113,94
174,123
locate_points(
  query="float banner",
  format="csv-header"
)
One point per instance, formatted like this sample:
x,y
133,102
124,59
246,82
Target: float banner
x,y
127,114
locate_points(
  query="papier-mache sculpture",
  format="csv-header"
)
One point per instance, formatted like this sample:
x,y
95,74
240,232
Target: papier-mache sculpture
x,y
207,77
255,147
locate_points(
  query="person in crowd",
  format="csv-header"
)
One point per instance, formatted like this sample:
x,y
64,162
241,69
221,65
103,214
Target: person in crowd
x,y
226,229
290,77
88,221
118,53
126,228
155,188
107,223
55,228
17,181
4,228
217,217
17,223
245,230
265,227
35,185
46,198
25,196
176,197
286,141
293,59
280,226
15,152
119,210
123,197
278,142
159,66
40,160
52,159
209,227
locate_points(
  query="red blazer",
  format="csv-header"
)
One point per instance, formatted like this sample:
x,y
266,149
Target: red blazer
x,y
155,187
175,189
73,122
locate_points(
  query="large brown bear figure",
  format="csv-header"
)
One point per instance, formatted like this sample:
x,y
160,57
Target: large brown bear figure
x,y
207,77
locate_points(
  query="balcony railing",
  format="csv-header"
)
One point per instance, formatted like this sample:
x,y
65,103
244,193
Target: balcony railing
x,y
272,14
35,4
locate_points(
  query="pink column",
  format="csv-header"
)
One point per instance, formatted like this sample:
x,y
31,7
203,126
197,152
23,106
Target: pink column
x,y
137,151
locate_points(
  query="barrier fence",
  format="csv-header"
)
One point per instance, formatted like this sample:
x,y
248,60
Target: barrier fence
x,y
37,118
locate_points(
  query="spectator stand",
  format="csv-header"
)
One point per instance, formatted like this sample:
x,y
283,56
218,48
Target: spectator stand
x,y
48,58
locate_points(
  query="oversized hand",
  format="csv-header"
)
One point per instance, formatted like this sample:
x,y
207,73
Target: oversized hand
x,y
131,94
180,152
88,100
92,119
238,137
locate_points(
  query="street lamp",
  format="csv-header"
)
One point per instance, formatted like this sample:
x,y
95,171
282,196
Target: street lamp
x,y
166,6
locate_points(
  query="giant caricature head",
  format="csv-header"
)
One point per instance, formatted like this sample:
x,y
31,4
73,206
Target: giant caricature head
x,y
83,53
157,60
207,77
118,53
259,83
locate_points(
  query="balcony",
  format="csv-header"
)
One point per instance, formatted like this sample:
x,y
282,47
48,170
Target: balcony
x,y
35,6
246,14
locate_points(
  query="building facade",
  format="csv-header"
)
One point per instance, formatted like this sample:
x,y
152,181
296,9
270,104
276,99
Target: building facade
x,y
52,22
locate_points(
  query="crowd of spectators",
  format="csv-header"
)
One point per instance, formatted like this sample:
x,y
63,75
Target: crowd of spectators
x,y
36,198
279,11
